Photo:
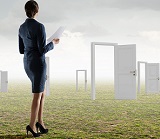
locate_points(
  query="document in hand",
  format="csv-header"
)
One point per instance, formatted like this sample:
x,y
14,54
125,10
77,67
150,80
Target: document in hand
x,y
57,34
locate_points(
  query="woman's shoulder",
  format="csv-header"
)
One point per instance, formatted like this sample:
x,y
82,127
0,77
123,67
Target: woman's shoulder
x,y
39,24
22,26
32,23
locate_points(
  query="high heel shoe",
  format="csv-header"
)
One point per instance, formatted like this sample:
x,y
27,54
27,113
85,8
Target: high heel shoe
x,y
41,128
28,128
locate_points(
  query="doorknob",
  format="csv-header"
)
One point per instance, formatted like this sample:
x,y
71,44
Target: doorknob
x,y
158,78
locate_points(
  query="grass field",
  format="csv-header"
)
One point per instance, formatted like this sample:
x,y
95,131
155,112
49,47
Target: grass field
x,y
71,115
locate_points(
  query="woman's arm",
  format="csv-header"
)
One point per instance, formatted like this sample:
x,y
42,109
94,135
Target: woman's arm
x,y
21,45
41,41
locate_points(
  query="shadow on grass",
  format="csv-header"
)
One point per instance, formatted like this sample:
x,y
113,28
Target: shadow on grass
x,y
15,136
29,137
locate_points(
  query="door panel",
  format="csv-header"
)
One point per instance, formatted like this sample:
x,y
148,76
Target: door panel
x,y
47,77
125,71
4,81
152,78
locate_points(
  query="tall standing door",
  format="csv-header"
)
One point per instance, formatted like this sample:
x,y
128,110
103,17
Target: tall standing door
x,y
47,85
152,78
125,71
4,81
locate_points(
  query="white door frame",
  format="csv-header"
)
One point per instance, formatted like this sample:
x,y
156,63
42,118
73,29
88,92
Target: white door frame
x,y
139,78
85,80
93,44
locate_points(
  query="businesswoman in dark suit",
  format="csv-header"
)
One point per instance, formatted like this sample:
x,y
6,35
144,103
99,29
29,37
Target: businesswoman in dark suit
x,y
32,43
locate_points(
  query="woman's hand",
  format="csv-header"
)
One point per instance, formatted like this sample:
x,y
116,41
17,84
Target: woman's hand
x,y
55,41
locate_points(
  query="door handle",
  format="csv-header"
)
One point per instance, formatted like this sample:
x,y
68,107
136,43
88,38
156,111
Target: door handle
x,y
133,72
158,78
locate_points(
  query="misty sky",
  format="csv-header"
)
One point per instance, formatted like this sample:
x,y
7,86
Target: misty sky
x,y
118,21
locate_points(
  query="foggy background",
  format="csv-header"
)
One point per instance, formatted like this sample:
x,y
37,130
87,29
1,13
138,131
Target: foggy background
x,y
116,21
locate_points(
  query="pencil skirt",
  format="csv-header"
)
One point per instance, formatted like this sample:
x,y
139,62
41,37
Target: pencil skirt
x,y
36,71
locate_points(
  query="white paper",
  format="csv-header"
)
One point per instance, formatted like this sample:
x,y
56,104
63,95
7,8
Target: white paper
x,y
57,34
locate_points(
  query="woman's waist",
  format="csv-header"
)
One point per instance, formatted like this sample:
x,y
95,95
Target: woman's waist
x,y
33,55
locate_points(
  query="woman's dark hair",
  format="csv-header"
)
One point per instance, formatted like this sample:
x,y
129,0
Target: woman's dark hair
x,y
31,8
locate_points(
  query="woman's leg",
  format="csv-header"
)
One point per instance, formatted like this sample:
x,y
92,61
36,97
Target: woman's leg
x,y
40,113
34,109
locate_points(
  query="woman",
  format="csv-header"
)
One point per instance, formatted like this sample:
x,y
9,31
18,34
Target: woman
x,y
32,43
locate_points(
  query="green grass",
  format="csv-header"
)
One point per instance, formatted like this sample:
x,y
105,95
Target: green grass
x,y
71,115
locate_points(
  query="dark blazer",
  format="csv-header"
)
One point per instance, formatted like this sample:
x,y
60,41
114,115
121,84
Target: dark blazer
x,y
32,43
32,40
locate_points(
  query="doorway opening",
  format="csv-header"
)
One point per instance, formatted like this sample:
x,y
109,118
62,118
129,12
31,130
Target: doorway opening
x,y
141,76
104,67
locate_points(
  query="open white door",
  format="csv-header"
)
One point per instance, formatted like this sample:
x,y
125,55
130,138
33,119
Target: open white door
x,y
152,78
125,71
47,86
4,81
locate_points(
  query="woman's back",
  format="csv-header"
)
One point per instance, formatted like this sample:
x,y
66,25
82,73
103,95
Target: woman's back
x,y
33,36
